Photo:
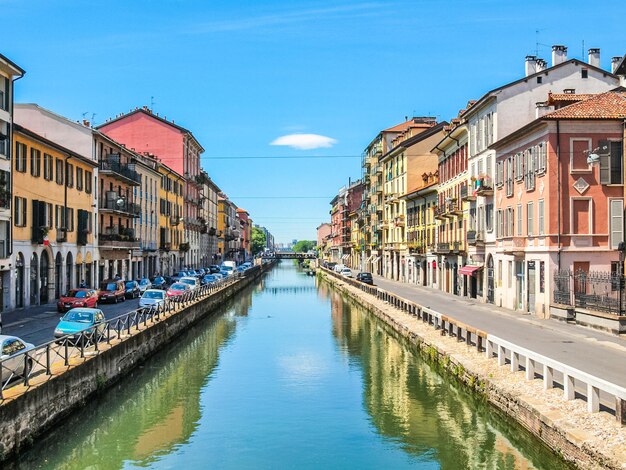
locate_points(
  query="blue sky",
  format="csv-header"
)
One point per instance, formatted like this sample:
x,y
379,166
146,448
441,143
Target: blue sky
x,y
242,74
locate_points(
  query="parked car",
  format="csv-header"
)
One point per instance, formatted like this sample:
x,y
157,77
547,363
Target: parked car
x,y
132,290
230,264
144,284
178,288
159,282
209,279
13,363
219,276
365,278
152,297
78,298
191,282
346,272
225,273
214,268
112,291
79,320
339,267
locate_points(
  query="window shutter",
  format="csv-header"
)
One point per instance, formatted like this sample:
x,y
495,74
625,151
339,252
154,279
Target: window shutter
x,y
7,95
605,159
35,227
617,222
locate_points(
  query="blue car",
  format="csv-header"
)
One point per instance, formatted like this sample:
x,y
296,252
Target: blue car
x,y
209,279
79,320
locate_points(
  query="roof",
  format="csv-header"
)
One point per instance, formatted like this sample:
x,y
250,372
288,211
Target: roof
x,y
54,145
609,105
12,64
620,68
413,122
560,98
148,112
543,72
429,132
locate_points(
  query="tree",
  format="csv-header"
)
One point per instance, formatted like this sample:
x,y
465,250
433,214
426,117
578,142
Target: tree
x,y
304,246
258,240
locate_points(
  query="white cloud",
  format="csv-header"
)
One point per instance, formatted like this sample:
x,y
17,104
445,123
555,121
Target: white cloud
x,y
305,141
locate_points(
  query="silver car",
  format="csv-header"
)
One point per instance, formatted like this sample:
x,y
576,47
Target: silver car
x,y
13,361
152,297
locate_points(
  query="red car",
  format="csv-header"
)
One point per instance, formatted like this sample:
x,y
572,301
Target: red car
x,y
178,288
78,298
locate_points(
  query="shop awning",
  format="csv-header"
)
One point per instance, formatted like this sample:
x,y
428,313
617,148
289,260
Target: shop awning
x,y
469,270
345,257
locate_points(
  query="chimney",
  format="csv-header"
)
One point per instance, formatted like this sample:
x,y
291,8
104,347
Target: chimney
x,y
531,65
541,65
559,55
614,62
594,57
542,108
86,123
569,91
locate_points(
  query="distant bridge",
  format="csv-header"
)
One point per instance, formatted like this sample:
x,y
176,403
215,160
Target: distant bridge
x,y
288,255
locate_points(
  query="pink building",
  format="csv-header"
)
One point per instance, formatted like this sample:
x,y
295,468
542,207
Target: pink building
x,y
560,206
148,133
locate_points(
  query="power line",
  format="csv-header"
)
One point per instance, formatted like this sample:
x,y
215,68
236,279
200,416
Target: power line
x,y
279,197
290,157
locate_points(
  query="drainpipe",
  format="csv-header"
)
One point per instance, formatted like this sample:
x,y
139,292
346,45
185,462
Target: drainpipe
x,y
558,159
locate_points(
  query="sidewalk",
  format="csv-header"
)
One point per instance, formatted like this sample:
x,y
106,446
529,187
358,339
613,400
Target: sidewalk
x,y
591,351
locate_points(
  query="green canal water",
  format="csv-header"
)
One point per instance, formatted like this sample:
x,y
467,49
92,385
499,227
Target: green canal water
x,y
289,375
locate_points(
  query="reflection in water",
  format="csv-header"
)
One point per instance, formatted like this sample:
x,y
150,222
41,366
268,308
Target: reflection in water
x,y
411,404
288,376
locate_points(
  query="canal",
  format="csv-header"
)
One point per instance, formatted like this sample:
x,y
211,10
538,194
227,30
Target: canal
x,y
288,375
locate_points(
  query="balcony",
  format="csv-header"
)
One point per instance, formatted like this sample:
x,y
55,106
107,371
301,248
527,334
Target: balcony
x,y
455,208
400,221
440,213
4,249
174,221
119,205
417,247
514,245
466,194
442,248
117,238
184,247
475,237
61,235
165,246
110,165
457,247
149,246
484,187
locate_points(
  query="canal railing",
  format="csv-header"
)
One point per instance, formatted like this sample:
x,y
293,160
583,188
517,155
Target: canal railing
x,y
55,356
535,365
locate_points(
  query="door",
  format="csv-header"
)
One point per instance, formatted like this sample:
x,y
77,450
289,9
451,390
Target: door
x,y
581,270
490,280
531,286
519,285
43,273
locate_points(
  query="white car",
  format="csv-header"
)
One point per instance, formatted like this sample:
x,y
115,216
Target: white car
x,y
345,272
152,297
13,363
339,267
192,282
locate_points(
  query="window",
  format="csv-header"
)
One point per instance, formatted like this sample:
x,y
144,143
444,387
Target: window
x,y
489,217
510,219
581,216
59,223
541,152
584,73
519,164
530,219
499,272
509,176
20,157
519,220
35,162
47,167
529,159
59,171
48,215
510,274
69,174
88,176
611,164
579,151
79,178
540,217
499,174
539,79
616,222
70,219
20,212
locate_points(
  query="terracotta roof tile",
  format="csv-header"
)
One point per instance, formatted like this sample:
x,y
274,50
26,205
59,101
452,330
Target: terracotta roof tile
x,y
609,105
559,97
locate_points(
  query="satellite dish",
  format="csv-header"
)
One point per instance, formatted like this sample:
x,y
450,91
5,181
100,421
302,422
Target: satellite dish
x,y
593,158
120,202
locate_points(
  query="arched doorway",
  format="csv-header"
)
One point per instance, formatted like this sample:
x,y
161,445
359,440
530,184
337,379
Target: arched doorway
x,y
58,265
43,276
19,281
69,261
490,282
79,278
34,279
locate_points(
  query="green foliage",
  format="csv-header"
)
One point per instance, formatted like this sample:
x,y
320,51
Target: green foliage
x,y
304,245
258,240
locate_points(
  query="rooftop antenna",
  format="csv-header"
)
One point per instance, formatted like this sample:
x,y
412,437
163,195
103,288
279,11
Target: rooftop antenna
x,y
537,43
93,119
152,103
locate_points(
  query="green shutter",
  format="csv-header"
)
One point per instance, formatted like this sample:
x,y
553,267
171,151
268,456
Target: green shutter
x,y
605,162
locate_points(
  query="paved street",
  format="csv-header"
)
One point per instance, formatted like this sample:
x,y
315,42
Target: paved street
x,y
36,324
595,352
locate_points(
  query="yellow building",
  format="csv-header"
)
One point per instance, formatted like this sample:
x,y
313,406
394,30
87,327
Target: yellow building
x,y
53,217
172,247
227,229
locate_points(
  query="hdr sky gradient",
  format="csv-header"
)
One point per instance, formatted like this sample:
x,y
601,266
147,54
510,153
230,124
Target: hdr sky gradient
x,y
287,78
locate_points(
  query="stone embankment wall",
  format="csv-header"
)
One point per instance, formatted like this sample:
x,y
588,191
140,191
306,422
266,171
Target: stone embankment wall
x,y
587,440
29,414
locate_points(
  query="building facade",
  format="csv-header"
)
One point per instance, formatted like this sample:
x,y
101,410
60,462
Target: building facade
x,y
146,226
